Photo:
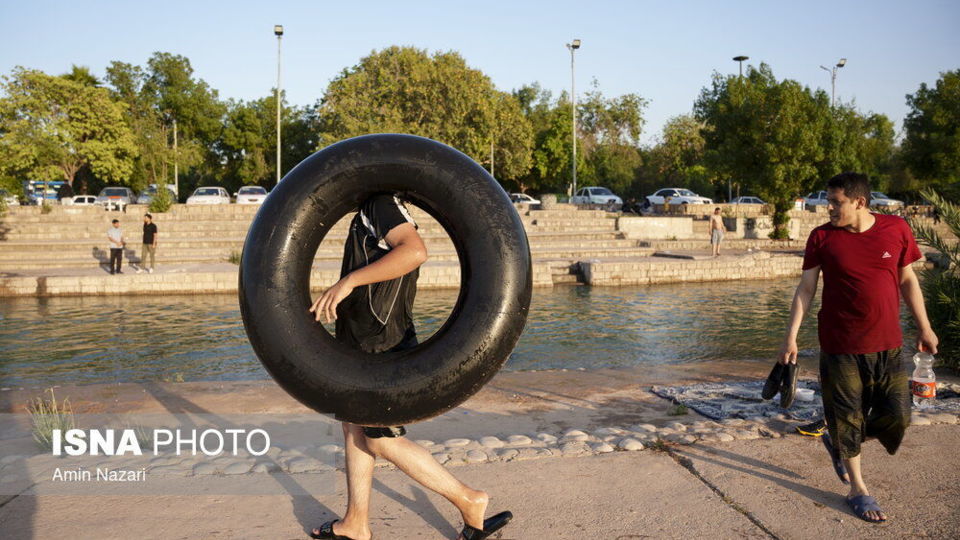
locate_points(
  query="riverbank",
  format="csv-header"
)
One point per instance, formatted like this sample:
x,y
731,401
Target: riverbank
x,y
777,484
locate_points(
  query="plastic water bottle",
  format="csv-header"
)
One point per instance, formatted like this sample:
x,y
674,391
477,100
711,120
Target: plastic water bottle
x,y
923,383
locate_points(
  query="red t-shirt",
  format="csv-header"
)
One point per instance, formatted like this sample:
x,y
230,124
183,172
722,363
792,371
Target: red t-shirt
x,y
860,311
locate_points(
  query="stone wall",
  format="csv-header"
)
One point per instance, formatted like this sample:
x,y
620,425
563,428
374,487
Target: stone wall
x,y
761,265
221,280
656,228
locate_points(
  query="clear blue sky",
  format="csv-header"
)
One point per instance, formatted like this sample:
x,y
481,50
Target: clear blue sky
x,y
664,51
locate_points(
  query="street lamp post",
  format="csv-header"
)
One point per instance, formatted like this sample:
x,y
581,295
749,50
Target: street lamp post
x,y
740,59
573,46
278,31
833,77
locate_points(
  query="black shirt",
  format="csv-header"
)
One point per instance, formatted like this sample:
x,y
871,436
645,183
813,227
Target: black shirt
x,y
376,317
149,230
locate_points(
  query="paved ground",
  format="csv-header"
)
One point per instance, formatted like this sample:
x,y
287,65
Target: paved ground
x,y
775,488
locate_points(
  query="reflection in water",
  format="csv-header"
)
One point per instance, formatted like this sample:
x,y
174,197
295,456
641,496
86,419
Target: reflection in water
x,y
126,339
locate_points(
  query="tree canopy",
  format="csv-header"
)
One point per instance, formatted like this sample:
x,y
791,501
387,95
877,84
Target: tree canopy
x,y
932,144
54,127
406,90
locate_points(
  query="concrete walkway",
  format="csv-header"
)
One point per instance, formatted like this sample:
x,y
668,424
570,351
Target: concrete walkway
x,y
770,488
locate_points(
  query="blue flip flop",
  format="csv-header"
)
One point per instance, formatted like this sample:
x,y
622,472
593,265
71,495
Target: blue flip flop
x,y
835,457
861,504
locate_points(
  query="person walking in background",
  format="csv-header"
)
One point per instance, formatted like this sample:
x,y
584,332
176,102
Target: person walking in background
x,y
716,231
150,236
115,237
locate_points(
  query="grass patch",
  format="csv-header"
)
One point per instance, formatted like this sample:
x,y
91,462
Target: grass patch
x,y
659,445
234,257
48,415
45,208
678,410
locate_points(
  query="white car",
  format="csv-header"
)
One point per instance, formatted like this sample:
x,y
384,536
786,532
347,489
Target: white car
x,y
816,198
11,200
879,200
80,200
747,200
677,196
209,195
595,195
251,195
523,198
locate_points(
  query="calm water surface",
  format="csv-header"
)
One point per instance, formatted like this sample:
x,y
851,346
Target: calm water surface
x,y
140,338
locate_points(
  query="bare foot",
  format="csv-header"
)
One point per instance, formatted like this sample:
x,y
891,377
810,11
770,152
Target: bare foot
x,y
473,507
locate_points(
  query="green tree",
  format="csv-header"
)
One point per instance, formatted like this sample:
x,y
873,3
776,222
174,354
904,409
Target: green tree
x,y
610,134
764,133
405,90
164,95
853,141
931,147
53,128
678,159
248,143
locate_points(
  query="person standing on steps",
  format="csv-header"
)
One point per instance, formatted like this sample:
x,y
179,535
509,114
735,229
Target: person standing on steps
x,y
116,244
149,248
716,231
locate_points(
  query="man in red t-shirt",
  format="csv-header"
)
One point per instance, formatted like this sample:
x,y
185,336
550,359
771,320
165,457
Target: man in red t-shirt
x,y
865,259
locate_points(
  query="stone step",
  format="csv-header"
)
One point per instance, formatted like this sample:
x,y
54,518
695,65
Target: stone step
x,y
102,256
55,249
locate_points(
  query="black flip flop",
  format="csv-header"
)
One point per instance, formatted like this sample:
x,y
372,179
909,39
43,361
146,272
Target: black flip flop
x,y
326,532
490,526
772,386
835,457
788,385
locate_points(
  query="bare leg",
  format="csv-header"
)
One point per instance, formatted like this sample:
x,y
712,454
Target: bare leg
x,y
359,463
419,465
857,486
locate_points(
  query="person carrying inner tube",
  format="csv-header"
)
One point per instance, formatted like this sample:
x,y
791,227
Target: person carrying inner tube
x,y
865,259
372,305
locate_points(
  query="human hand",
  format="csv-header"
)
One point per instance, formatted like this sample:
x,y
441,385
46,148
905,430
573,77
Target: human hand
x,y
927,341
788,351
325,307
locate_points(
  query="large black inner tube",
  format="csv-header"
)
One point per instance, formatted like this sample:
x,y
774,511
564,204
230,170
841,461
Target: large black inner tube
x,y
385,389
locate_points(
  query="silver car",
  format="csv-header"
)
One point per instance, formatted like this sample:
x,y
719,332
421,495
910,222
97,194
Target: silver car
x,y
116,197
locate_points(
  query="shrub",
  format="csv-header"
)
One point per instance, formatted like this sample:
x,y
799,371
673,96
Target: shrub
x,y
941,284
48,415
161,201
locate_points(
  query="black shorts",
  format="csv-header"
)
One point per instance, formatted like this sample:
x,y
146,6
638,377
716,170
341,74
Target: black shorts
x,y
409,341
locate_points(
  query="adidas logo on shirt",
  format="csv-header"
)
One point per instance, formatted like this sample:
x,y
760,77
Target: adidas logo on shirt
x,y
886,255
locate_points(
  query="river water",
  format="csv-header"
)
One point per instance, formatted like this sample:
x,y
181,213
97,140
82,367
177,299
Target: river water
x,y
189,338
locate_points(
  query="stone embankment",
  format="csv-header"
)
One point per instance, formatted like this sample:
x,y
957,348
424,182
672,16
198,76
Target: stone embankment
x,y
65,251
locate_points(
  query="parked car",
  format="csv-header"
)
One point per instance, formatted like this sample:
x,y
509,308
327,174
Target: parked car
x,y
677,196
81,200
251,195
8,198
523,198
209,195
595,195
147,195
116,197
816,198
747,200
879,200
